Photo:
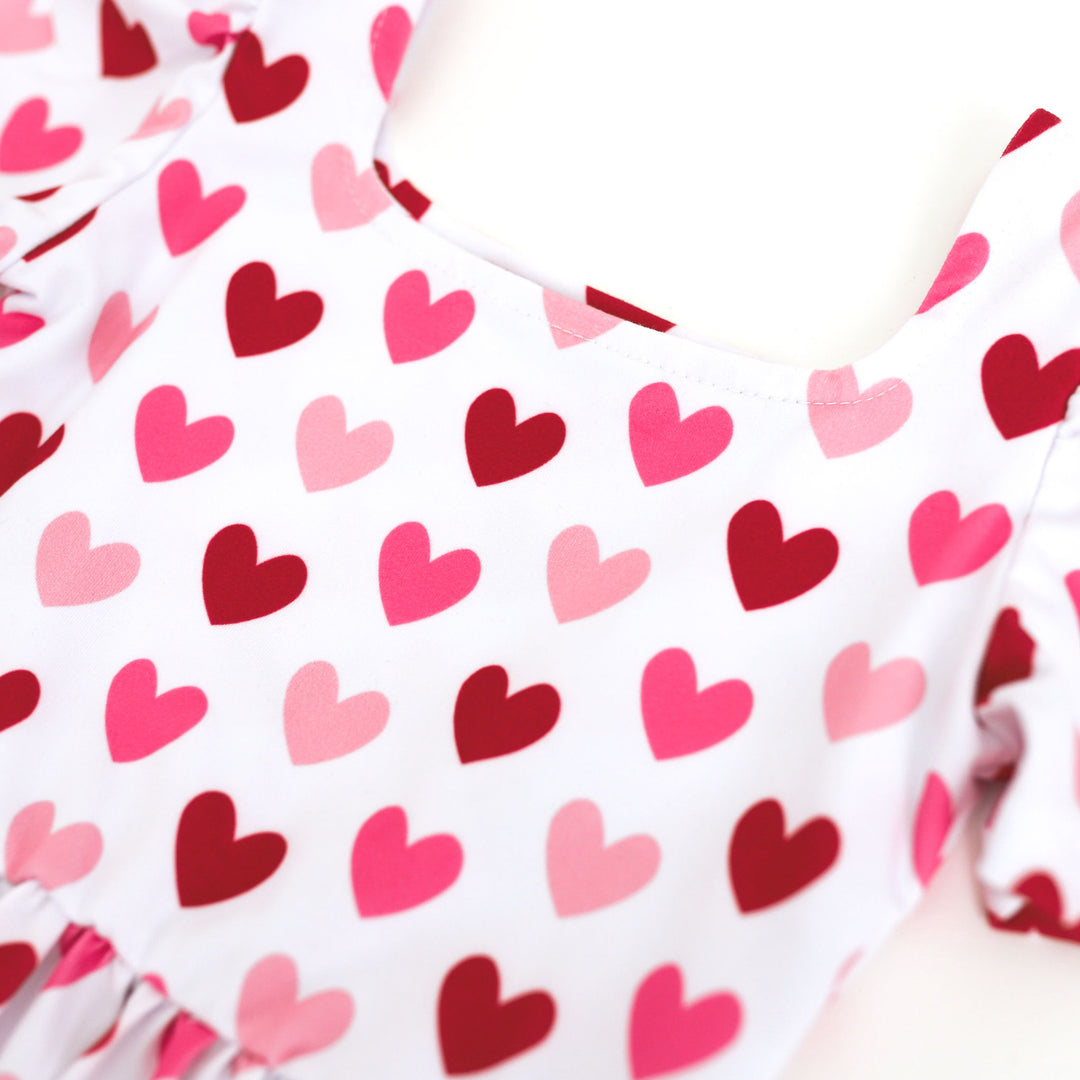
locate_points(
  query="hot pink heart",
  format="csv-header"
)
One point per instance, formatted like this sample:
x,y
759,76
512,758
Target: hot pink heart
x,y
579,584
20,31
329,455
845,421
187,216
318,727
583,874
209,29
82,951
390,33
33,851
112,334
16,326
181,1042
167,446
415,586
962,266
70,571
275,1023
933,820
27,145
139,721
943,545
414,327
858,699
343,198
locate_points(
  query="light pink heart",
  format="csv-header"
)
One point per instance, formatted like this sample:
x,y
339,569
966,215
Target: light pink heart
x,y
962,266
933,819
70,571
583,874
667,1035
27,145
274,1022
20,31
943,545
167,446
414,327
187,216
846,421
1069,233
389,874
180,1044
859,699
168,117
665,447
390,33
572,322
16,326
83,951
113,333
32,851
318,727
7,240
415,586
680,719
210,29
579,584
343,198
329,455
139,721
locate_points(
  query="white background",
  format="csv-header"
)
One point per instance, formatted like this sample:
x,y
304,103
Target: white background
x,y
783,178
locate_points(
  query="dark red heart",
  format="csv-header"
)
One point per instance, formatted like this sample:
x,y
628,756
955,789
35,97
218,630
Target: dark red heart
x,y
17,960
766,568
125,49
20,692
1008,657
767,867
498,448
211,863
21,448
237,588
622,309
259,320
1041,913
489,724
476,1030
414,200
1021,396
73,229
1038,122
253,89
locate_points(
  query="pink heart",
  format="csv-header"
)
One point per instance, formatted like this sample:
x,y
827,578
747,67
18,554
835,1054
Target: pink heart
x,y
579,584
665,447
273,1022
70,572
113,333
344,199
20,31
962,265
1072,583
26,145
414,586
572,322
320,728
209,29
180,1044
139,721
328,454
583,874
666,1035
390,33
845,421
167,117
414,327
16,326
942,545
82,951
680,719
858,700
167,446
389,874
187,216
7,240
33,851
932,823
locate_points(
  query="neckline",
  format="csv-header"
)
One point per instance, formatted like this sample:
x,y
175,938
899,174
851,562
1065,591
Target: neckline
x,y
485,268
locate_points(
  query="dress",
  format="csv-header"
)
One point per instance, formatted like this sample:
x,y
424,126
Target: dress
x,y
409,669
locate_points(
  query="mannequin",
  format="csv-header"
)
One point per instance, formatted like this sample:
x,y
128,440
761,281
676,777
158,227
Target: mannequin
x,y
785,180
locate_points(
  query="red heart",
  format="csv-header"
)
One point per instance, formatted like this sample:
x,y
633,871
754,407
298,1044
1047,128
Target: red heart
x,y
476,1030
1042,912
63,235
20,692
1008,657
1038,122
20,451
410,197
767,867
766,568
211,865
500,449
236,587
1021,396
259,321
125,50
489,724
253,89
